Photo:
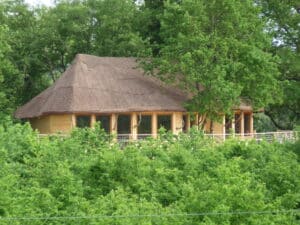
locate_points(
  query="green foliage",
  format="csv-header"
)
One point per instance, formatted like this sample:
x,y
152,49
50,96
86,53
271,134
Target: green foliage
x,y
44,41
85,175
8,75
283,24
219,52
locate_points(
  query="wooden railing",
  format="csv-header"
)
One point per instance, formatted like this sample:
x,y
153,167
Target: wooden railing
x,y
280,136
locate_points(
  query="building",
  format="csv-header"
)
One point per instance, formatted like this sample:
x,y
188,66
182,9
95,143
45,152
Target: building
x,y
116,92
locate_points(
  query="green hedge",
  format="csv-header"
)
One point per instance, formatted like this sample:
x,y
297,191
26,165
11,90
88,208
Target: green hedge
x,y
160,180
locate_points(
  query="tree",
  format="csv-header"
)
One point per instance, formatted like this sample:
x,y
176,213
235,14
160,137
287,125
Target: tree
x,y
115,33
219,52
25,56
283,24
10,78
45,40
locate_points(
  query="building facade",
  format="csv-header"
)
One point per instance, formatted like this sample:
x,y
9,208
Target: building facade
x,y
116,93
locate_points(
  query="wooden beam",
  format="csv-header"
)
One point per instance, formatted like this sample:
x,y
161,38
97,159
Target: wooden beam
x,y
154,125
224,127
73,120
233,123
93,120
134,126
173,123
251,123
242,123
113,124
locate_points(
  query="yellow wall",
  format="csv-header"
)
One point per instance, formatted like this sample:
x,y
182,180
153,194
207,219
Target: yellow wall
x,y
42,124
52,124
177,122
65,123
61,123
218,127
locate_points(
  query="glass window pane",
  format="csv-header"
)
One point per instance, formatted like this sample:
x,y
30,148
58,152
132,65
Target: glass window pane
x,y
237,121
164,121
184,123
144,124
104,122
124,124
228,124
247,123
83,121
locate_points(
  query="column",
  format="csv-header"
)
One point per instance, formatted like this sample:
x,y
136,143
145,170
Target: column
x,y
251,124
113,124
224,127
233,124
113,127
73,121
242,123
134,126
197,120
173,123
154,125
93,121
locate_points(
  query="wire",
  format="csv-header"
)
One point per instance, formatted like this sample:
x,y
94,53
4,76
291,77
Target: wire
x,y
151,215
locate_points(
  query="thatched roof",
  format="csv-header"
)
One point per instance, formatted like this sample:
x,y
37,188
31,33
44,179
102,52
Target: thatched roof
x,y
103,85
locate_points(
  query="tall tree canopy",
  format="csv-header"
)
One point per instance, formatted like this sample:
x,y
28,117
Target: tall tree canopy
x,y
44,40
220,52
10,78
283,19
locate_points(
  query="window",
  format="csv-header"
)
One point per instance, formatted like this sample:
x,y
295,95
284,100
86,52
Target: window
x,y
83,121
237,121
228,125
164,121
124,124
104,122
144,123
185,123
247,123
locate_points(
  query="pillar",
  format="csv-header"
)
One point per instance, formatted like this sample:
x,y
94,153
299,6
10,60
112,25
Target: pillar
x,y
224,127
154,125
73,121
173,124
251,124
233,124
113,124
134,126
197,120
242,123
93,121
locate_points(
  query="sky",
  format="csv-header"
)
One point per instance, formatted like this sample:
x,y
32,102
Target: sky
x,y
40,2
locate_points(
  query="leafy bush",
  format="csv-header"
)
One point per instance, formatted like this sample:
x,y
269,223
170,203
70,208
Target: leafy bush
x,y
85,174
